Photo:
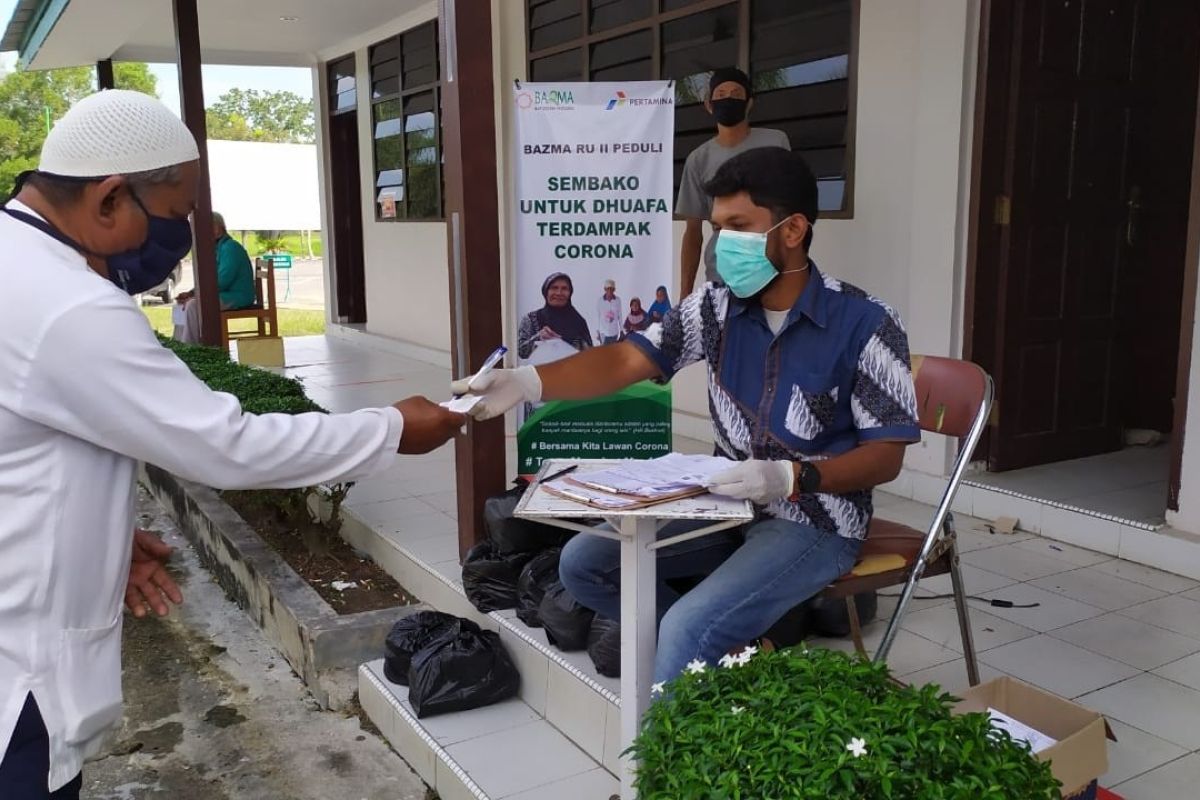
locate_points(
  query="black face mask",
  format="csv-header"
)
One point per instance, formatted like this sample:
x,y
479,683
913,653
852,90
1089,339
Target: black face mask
x,y
729,111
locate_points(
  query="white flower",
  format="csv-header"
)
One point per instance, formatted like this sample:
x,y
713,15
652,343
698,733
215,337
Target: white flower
x,y
656,688
737,710
858,747
696,667
727,661
749,653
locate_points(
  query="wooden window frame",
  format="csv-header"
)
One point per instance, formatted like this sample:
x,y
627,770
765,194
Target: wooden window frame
x,y
331,84
406,92
654,22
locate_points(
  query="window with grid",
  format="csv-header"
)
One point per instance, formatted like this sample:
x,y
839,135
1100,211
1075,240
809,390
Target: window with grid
x,y
405,117
797,52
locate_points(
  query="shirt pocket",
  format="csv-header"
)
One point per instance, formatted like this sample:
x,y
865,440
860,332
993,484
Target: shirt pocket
x,y
811,409
89,680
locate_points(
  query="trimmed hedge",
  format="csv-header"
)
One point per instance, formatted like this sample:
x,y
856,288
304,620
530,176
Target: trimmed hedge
x,y
259,391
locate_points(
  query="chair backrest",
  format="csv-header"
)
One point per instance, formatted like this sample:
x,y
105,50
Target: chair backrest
x,y
264,281
950,394
954,398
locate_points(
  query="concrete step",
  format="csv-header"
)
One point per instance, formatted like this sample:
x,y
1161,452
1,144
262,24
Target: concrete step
x,y
561,689
505,751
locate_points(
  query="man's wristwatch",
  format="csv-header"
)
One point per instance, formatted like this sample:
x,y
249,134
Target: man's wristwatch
x,y
808,480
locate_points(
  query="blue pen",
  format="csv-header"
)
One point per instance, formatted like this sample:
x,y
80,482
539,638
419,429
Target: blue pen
x,y
495,358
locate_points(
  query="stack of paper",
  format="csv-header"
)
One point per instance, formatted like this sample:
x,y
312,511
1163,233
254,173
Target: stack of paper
x,y
655,478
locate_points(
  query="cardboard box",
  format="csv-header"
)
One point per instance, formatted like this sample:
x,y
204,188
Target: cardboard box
x,y
1081,753
260,351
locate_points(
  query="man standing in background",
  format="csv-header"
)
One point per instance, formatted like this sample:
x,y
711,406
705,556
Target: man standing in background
x,y
609,314
730,98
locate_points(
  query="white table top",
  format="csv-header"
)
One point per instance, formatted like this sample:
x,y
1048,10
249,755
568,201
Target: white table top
x,y
540,504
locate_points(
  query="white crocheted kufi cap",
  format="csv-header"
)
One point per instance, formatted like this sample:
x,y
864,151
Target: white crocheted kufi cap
x,y
116,132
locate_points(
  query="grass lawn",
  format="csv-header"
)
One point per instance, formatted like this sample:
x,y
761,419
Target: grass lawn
x,y
292,321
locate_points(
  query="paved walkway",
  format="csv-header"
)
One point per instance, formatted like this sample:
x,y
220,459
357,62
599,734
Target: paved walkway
x,y
213,712
1120,638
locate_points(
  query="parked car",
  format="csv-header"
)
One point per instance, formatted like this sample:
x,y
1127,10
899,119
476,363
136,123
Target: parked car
x,y
165,291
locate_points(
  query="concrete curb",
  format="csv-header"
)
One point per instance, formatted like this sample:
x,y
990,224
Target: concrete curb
x,y
305,629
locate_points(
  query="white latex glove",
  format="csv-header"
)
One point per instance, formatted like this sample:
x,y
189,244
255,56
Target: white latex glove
x,y
501,390
760,482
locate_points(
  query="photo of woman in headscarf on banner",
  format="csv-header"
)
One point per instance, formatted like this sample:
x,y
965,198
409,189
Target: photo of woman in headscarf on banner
x,y
556,330
661,305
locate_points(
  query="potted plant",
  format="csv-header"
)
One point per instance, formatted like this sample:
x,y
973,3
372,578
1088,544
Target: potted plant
x,y
815,723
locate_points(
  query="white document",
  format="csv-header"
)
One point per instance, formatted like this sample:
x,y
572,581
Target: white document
x,y
462,405
1037,740
178,315
657,477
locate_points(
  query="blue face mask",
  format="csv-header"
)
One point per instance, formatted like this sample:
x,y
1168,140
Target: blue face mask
x,y
167,242
742,261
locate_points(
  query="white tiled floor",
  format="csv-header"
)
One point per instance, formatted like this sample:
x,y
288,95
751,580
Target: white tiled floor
x,y
1101,624
1130,484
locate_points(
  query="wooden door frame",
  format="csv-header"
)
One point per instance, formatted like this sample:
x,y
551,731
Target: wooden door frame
x,y
990,83
340,167
1191,269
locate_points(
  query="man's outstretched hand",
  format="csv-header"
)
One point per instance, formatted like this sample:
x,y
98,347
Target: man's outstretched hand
x,y
150,585
427,426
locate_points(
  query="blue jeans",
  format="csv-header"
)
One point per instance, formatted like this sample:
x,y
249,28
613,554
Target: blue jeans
x,y
753,578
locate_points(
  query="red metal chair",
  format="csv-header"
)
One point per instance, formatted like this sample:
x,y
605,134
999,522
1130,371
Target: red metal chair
x,y
954,398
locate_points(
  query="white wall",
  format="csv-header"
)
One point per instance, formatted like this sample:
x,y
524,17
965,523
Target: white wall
x,y
1188,516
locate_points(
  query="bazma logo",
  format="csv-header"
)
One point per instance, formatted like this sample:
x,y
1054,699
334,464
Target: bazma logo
x,y
546,100
619,99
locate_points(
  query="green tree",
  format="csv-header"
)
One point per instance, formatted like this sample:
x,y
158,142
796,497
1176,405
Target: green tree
x,y
30,101
251,115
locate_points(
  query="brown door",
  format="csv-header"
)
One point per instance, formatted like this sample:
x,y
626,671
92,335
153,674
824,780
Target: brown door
x,y
1089,88
346,193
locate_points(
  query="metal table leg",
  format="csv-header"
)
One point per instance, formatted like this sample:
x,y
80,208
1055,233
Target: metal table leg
x,y
638,634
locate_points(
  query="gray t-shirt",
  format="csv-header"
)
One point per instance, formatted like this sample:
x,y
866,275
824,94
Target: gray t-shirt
x,y
701,165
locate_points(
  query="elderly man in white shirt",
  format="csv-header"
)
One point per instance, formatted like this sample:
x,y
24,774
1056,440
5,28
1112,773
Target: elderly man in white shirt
x,y
86,392
609,314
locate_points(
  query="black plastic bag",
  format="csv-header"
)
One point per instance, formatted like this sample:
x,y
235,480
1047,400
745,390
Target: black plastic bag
x,y
794,626
513,535
604,646
538,574
567,623
461,670
830,617
408,636
489,579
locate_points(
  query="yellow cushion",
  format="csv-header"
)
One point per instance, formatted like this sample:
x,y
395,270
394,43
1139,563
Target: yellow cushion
x,y
875,564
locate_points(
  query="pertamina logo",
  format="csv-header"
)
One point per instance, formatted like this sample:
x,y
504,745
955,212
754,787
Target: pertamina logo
x,y
620,100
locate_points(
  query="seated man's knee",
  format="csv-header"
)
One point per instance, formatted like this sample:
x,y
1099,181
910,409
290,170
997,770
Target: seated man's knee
x,y
685,620
583,557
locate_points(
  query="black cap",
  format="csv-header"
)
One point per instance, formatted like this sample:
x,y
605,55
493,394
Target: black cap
x,y
774,178
727,75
